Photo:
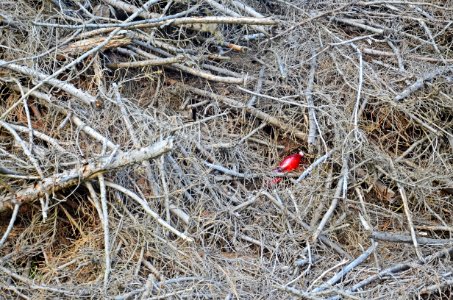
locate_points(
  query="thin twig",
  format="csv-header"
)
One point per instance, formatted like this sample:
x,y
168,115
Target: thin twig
x,y
10,225
148,210
337,277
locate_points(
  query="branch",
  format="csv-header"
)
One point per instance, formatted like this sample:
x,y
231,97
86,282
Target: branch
x,y
73,177
312,131
337,277
67,87
401,238
147,63
421,82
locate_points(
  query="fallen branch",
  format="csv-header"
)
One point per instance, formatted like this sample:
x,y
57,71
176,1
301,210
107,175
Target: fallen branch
x,y
75,176
67,87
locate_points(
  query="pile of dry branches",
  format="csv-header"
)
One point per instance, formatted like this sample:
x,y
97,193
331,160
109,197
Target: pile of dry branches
x,y
138,138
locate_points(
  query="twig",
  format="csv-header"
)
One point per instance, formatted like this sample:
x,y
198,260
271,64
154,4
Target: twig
x,y
10,225
401,238
317,162
437,287
50,78
296,292
34,286
409,220
161,166
337,195
147,63
40,135
337,277
321,237
313,129
355,23
192,71
359,92
148,210
228,11
400,268
167,21
246,9
105,224
133,135
415,57
323,14
258,87
421,82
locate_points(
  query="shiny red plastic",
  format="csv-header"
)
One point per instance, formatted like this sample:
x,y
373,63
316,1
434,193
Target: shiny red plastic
x,y
290,163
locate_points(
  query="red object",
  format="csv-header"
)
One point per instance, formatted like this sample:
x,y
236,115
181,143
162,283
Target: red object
x,y
288,164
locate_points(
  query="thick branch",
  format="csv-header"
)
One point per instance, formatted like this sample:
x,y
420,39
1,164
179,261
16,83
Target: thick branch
x,y
75,176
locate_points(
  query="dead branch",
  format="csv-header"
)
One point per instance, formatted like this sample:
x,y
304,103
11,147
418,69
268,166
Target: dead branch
x,y
401,238
37,75
73,177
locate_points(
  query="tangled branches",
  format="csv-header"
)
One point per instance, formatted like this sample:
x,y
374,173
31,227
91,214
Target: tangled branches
x,y
137,141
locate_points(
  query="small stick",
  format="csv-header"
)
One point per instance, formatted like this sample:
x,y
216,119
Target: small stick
x,y
421,82
359,25
148,210
359,92
105,223
415,57
321,237
67,87
337,277
409,220
40,135
401,238
133,135
147,63
437,287
228,11
246,9
317,162
258,87
338,191
51,78
192,71
400,268
298,293
10,225
161,166
163,22
35,163
313,129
